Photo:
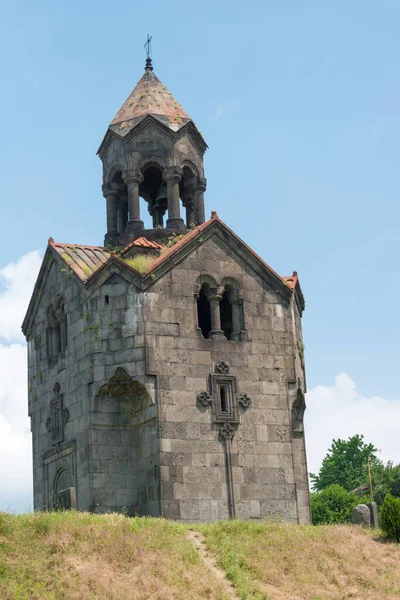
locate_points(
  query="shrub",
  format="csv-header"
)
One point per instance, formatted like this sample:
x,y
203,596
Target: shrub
x,y
333,505
390,517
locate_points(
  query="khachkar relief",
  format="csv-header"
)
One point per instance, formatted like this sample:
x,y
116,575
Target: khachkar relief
x,y
225,403
59,416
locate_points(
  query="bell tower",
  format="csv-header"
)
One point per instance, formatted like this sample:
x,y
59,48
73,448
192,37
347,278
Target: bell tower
x,y
153,151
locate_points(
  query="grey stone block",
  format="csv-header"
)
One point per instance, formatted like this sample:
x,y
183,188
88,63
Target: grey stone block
x,y
361,515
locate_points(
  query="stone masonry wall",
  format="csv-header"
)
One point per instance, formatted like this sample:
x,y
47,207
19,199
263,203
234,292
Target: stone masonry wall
x,y
70,371
268,479
157,452
124,431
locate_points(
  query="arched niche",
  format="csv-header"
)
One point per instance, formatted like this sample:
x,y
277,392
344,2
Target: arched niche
x,y
126,398
298,408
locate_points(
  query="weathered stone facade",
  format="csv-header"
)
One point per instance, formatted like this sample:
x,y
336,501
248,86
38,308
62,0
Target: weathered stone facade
x,y
176,392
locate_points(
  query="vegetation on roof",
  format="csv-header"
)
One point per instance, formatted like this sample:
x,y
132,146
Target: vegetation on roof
x,y
140,262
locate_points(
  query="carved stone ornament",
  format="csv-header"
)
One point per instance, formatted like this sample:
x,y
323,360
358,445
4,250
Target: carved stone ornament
x,y
222,367
226,431
121,385
204,399
244,401
65,416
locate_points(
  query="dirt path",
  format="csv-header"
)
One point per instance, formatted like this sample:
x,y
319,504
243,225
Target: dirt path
x,y
197,538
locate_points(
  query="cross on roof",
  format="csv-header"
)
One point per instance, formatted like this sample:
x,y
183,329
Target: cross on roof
x,y
148,45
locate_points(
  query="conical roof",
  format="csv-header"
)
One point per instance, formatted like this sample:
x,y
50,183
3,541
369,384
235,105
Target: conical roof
x,y
150,97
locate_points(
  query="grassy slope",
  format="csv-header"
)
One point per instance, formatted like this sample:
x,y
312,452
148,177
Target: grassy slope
x,y
75,556
57,556
278,561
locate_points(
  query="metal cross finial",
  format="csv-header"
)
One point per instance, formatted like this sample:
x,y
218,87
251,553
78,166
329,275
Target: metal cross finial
x,y
148,45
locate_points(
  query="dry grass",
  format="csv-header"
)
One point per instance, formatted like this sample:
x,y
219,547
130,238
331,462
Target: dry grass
x,y
278,561
141,262
78,556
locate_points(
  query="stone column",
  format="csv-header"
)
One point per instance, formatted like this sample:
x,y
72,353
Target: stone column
x,y
132,180
199,203
188,203
112,212
216,331
172,177
236,316
122,214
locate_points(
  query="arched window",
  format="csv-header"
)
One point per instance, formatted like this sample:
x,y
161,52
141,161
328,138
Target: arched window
x,y
225,307
203,310
53,334
231,310
56,334
62,321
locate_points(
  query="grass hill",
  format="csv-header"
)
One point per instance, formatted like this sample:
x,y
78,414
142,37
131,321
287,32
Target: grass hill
x,y
76,556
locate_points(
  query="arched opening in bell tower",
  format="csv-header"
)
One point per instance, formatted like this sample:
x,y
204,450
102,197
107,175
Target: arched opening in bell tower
x,y
122,201
187,194
153,190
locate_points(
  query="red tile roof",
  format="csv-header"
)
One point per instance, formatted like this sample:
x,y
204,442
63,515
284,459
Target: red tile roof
x,y
150,97
83,260
141,242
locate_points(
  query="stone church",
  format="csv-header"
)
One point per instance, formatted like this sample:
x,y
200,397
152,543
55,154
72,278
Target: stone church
x,y
165,368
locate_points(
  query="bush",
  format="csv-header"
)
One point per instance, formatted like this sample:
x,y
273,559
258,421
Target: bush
x,y
390,517
333,505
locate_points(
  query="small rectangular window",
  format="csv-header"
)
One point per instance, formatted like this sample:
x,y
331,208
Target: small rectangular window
x,y
224,391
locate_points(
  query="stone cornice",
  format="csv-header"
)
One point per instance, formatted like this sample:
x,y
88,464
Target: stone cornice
x,y
191,129
148,121
109,135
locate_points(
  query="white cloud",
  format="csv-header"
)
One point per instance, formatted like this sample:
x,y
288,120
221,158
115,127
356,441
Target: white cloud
x,y
15,438
17,281
219,112
340,410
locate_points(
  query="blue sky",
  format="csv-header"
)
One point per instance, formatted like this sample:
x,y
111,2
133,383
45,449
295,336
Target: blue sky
x,y
299,104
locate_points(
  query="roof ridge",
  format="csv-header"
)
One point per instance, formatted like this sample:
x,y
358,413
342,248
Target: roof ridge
x,y
51,242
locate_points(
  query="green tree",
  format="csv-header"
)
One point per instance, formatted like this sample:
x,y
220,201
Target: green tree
x,y
333,505
390,517
346,464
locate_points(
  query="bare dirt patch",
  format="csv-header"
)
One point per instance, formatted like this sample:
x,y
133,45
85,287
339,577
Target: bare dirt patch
x,y
211,563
